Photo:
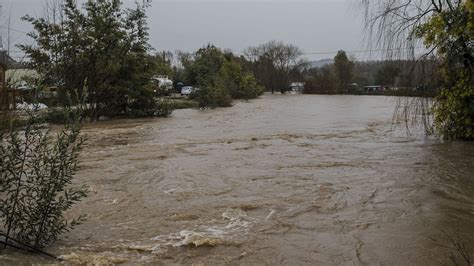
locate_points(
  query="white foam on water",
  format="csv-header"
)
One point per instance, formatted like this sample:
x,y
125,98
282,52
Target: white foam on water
x,y
272,211
237,223
105,258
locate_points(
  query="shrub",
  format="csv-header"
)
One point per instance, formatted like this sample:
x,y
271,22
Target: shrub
x,y
36,174
249,88
164,107
55,116
454,111
240,84
213,96
142,104
183,104
221,79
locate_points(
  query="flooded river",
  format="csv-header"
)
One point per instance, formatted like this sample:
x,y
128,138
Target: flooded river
x,y
281,180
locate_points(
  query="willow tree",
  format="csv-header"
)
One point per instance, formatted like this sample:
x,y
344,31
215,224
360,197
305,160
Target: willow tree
x,y
445,28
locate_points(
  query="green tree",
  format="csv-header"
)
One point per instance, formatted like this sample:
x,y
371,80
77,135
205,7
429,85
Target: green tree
x,y
220,78
322,81
447,29
273,62
161,64
239,83
103,44
387,74
205,67
452,32
344,70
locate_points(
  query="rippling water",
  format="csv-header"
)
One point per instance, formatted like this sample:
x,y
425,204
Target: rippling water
x,y
288,180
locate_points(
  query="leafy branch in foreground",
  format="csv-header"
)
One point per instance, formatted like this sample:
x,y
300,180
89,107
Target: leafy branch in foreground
x,y
36,174
446,29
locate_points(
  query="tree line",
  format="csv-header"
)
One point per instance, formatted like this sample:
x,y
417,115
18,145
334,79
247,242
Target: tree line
x,y
347,76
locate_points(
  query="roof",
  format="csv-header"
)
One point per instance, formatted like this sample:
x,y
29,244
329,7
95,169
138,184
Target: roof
x,y
373,86
15,76
297,84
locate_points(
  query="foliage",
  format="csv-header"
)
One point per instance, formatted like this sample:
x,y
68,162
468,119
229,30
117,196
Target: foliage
x,y
454,111
452,32
387,75
321,81
447,29
343,70
161,64
55,115
101,43
331,79
141,103
273,64
36,173
205,67
183,104
241,84
212,96
220,78
165,107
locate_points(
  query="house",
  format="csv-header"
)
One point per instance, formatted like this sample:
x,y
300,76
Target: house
x,y
352,87
375,89
18,78
6,95
297,87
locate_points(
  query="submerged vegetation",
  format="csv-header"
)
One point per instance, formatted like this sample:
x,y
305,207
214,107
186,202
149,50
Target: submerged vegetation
x,y
220,78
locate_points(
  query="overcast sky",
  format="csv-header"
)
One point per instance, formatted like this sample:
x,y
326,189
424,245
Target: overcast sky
x,y
314,25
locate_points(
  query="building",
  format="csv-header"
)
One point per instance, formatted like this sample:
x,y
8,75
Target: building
x,y
6,95
376,89
297,87
20,78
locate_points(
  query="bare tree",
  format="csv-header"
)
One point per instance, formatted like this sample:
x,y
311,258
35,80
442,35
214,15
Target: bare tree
x,y
283,58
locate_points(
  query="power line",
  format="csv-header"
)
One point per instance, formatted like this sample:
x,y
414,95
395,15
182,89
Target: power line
x,y
363,51
13,29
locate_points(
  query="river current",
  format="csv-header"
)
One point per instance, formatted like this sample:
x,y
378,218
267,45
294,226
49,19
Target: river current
x,y
280,180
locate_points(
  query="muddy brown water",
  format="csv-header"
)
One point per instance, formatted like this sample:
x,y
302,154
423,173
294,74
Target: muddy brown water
x,y
288,180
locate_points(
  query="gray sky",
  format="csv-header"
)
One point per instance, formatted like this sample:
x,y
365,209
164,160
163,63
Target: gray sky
x,y
314,25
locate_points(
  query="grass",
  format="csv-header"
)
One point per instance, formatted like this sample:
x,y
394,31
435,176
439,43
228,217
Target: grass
x,y
183,104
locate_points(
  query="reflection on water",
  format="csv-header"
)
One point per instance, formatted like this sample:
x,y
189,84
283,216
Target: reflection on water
x,y
278,180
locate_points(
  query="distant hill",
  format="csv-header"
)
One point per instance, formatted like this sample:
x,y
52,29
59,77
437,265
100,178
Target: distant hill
x,y
321,63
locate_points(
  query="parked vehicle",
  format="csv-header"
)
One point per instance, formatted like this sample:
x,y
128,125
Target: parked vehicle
x,y
187,90
178,86
164,85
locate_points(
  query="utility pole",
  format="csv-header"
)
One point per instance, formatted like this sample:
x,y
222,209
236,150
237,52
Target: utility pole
x,y
1,21
4,54
3,94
